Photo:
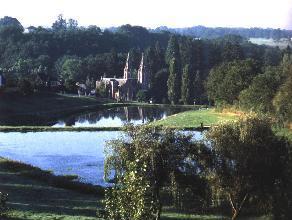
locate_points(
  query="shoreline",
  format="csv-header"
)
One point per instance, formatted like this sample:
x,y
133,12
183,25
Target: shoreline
x,y
68,182
24,129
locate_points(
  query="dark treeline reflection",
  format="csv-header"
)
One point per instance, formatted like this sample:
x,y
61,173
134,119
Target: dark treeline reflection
x,y
120,116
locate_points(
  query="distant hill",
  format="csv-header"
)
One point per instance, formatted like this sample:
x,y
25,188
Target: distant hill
x,y
208,32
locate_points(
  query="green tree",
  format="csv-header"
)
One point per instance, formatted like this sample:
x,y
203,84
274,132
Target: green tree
x,y
259,95
272,56
159,56
227,80
60,24
101,90
187,86
112,63
282,100
142,96
71,73
159,87
72,24
185,50
142,164
25,86
199,91
10,30
232,51
174,82
249,162
172,50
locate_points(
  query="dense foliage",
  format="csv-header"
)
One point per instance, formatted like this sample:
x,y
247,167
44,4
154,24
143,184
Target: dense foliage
x,y
227,80
253,86
249,164
149,163
241,167
208,32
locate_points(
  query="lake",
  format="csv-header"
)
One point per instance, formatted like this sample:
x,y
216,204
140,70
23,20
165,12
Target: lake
x,y
117,117
63,153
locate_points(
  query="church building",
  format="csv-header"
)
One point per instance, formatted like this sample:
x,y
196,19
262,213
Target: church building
x,y
126,88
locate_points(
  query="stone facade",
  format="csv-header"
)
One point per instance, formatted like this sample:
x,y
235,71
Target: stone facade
x,y
126,88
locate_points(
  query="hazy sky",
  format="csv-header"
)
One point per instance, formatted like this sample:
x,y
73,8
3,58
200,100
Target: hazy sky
x,y
153,13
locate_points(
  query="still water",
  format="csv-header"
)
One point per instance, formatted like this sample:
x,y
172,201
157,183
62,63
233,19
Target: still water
x,y
117,117
63,153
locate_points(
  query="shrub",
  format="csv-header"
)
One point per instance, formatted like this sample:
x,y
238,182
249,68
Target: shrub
x,y
250,162
3,205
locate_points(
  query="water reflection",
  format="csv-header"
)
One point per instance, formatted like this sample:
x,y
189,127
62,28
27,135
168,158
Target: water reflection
x,y
117,117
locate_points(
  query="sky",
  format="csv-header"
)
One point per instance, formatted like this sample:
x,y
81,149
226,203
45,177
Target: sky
x,y
153,13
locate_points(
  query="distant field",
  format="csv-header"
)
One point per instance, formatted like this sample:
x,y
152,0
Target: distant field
x,y
283,43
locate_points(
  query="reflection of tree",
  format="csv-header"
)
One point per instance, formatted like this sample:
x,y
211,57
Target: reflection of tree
x,y
70,121
125,114
141,114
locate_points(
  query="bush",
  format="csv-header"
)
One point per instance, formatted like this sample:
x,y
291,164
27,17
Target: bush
x,y
145,163
25,86
142,96
3,205
250,163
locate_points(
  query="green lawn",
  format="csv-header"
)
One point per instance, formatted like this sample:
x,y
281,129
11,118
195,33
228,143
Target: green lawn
x,y
172,216
41,102
194,118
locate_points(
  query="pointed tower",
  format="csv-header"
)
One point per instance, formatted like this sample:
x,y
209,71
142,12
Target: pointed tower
x,y
143,75
127,74
140,70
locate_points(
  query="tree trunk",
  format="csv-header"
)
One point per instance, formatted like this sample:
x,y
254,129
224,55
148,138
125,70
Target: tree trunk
x,y
158,213
235,208
235,214
159,208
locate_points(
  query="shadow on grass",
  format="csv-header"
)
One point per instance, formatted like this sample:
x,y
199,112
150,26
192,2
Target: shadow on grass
x,y
28,192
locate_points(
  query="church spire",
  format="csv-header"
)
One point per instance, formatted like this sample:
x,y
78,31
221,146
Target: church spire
x,y
127,68
140,70
143,74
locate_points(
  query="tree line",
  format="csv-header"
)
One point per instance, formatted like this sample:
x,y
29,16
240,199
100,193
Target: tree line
x,y
68,52
211,33
185,70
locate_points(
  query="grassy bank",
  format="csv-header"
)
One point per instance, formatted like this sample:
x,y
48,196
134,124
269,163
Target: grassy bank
x,y
43,108
191,120
37,194
194,119
15,104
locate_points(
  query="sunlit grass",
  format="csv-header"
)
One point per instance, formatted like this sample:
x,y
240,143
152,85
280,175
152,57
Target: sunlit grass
x,y
195,118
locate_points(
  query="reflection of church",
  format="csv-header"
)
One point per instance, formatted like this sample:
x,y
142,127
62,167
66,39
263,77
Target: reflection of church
x,y
131,114
127,87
